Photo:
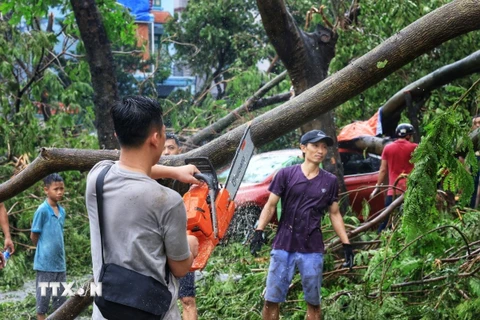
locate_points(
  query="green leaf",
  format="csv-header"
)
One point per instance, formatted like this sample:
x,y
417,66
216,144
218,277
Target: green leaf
x,y
382,64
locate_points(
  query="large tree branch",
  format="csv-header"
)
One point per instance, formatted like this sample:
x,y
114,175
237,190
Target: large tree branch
x,y
366,143
50,161
71,308
369,224
458,17
281,97
215,128
423,86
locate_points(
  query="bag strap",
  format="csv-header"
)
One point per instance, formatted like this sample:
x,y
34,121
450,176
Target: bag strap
x,y
99,190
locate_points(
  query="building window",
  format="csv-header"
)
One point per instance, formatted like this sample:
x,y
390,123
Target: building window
x,y
157,3
157,43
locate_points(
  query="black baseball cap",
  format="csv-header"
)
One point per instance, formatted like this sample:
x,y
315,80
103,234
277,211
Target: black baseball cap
x,y
315,136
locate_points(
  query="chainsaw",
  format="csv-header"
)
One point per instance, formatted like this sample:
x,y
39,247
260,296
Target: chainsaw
x,y
210,207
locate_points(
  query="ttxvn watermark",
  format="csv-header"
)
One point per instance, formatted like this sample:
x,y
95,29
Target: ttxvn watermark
x,y
65,289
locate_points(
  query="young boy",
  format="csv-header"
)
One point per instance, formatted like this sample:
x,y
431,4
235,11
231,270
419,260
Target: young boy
x,y
47,235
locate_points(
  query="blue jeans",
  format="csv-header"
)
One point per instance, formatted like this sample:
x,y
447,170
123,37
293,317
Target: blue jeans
x,y
281,271
383,225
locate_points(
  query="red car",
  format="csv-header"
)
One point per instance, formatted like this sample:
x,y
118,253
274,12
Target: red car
x,y
360,172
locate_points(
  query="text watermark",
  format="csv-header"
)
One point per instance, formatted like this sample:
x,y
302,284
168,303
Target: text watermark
x,y
67,290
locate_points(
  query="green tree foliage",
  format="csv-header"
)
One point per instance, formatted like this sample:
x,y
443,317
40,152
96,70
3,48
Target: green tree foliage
x,y
42,68
217,39
138,76
437,166
379,20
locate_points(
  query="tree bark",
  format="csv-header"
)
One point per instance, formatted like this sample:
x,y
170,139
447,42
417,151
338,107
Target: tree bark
x,y
392,109
51,161
71,308
102,70
260,103
307,57
368,144
458,17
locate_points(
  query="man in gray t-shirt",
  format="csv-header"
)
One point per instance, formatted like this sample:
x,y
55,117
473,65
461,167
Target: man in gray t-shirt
x,y
144,222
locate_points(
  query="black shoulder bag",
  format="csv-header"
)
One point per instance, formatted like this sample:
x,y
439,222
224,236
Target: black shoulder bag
x,y
127,294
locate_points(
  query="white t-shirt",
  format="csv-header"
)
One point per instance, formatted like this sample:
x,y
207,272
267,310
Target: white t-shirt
x,y
144,222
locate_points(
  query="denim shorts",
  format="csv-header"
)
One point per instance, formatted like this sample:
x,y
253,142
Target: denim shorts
x,y
187,285
281,272
44,301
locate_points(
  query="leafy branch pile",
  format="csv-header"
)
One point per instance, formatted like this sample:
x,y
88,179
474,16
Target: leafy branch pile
x,y
426,267
444,159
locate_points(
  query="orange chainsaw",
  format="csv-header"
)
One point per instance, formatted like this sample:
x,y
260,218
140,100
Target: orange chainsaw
x,y
210,207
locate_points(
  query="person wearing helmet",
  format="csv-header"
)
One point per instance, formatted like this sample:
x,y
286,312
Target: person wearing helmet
x,y
396,158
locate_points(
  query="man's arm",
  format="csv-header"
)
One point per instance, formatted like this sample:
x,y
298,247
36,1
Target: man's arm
x,y
382,177
181,268
37,226
383,173
268,211
178,244
337,222
181,173
339,227
265,217
34,236
6,229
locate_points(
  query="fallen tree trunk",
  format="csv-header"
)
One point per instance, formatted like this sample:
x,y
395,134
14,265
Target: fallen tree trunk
x,y
458,17
366,143
54,160
71,308
394,106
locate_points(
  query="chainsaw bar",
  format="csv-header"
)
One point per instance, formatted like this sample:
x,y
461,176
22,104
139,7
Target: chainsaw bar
x,y
240,163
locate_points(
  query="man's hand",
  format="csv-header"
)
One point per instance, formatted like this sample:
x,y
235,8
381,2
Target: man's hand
x,y
9,245
193,243
348,250
185,174
257,242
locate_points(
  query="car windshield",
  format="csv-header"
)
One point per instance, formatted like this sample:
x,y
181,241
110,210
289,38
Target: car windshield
x,y
261,166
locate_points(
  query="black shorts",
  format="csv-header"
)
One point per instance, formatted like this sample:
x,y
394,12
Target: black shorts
x,y
187,286
43,301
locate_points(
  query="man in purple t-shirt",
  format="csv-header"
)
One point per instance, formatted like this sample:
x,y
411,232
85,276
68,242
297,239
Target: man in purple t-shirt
x,y
307,192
